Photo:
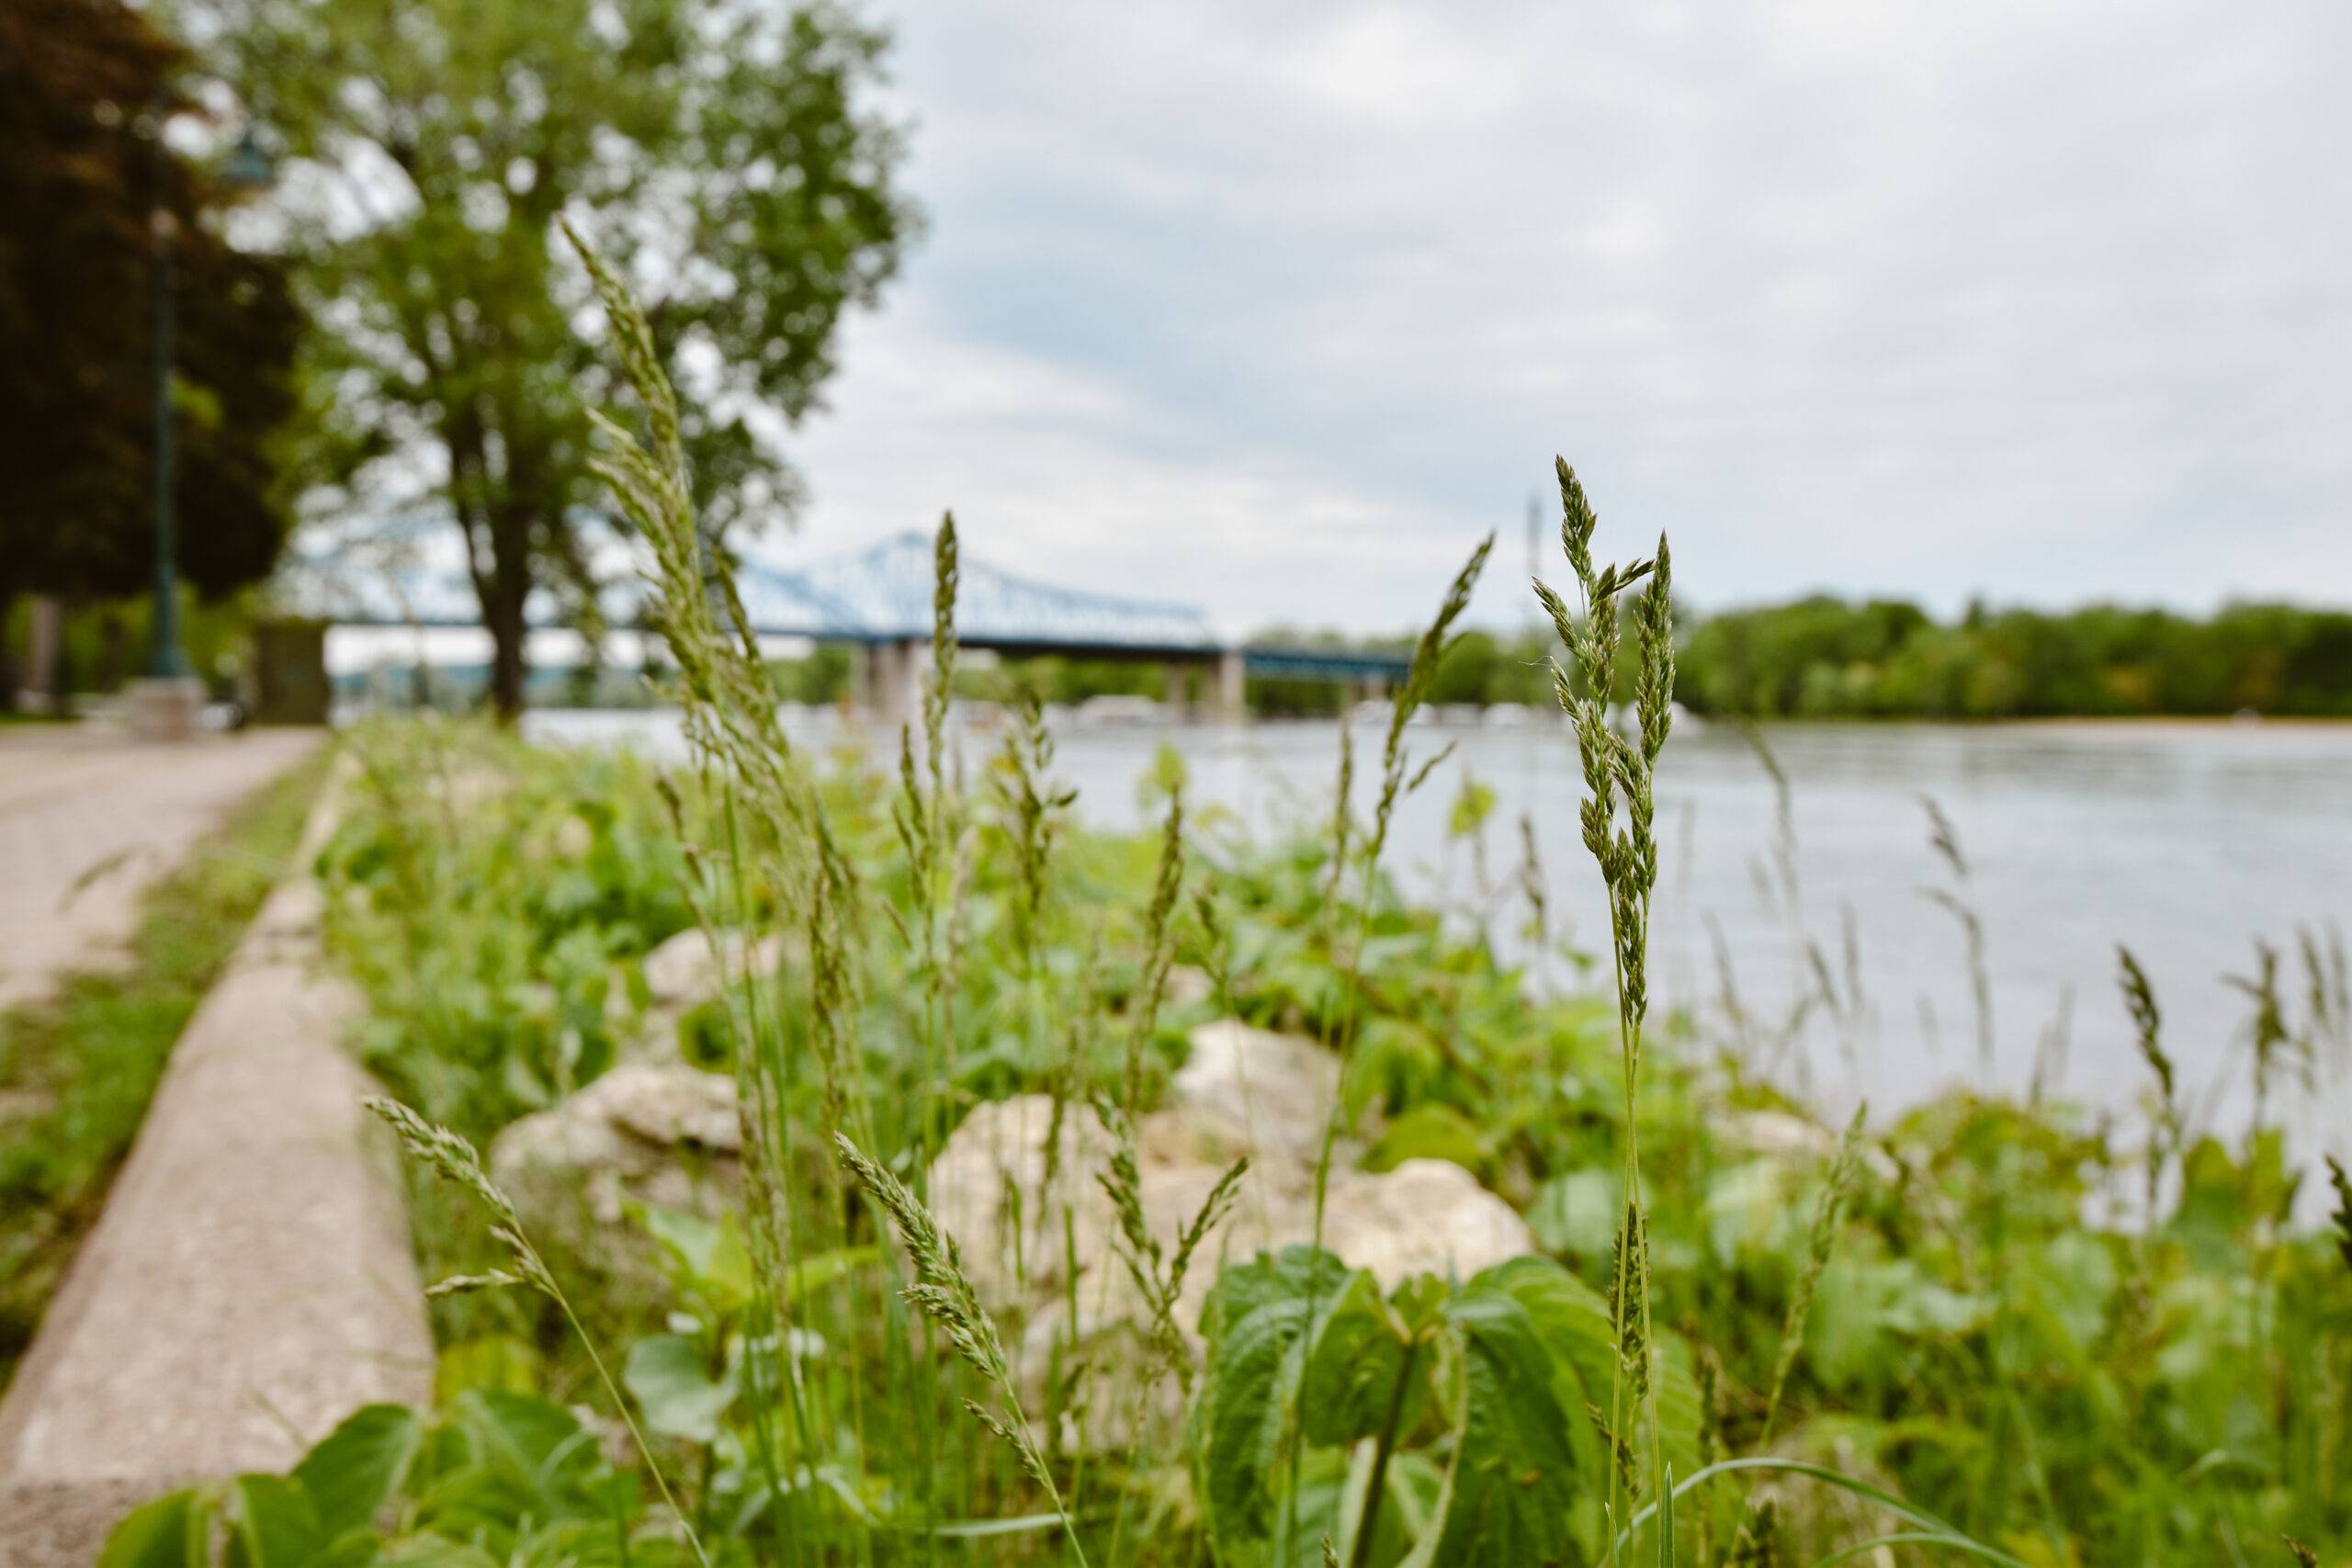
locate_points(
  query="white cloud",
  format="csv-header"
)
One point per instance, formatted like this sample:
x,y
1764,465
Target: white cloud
x,y
1278,308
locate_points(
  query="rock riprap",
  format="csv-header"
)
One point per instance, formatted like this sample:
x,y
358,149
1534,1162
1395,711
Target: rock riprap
x,y
689,967
665,1133
657,1132
1243,1091
681,974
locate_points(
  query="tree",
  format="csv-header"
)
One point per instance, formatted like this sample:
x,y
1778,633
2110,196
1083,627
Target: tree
x,y
719,154
84,86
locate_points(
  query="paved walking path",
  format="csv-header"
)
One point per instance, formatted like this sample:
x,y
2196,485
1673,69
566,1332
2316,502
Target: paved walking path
x,y
88,818
250,1284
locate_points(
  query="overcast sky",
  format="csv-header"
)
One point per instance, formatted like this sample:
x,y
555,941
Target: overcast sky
x,y
1278,308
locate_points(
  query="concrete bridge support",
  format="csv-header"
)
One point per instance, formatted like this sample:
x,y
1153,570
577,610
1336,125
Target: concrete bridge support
x,y
886,683
1176,688
1232,687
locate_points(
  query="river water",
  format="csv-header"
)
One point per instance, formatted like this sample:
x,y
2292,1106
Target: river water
x,y
2184,841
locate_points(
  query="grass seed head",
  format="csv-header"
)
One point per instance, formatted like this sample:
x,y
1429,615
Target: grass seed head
x,y
942,1291
2341,1220
2140,1000
1756,1543
452,1159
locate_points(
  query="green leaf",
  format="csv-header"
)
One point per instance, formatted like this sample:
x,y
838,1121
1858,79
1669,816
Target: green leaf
x,y
1747,1208
2067,1285
1353,1370
814,1273
1515,1472
1666,1558
1578,1212
272,1524
528,1438
1570,1316
170,1532
670,1377
1858,1301
1929,1526
1256,1322
1428,1132
706,1257
1472,806
348,1477
489,1360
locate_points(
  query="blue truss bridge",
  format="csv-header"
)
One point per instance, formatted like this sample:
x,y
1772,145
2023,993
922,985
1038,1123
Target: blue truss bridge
x,y
877,600
883,594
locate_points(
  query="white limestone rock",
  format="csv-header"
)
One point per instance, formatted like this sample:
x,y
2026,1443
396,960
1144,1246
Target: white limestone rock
x,y
657,1132
1244,1091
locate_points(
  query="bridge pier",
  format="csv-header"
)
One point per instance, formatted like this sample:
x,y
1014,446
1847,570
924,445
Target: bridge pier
x,y
1232,686
892,683
1175,689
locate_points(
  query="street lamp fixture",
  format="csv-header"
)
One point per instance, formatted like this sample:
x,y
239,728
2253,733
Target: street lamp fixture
x,y
168,705
249,168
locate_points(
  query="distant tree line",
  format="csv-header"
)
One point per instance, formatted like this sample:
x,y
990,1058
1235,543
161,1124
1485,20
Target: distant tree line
x,y
1829,658
1815,658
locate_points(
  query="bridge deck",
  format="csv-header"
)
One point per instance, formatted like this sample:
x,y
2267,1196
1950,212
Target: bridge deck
x,y
879,596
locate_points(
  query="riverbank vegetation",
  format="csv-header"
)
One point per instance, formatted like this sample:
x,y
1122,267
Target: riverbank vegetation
x,y
1984,1327
1820,658
1824,657
78,1068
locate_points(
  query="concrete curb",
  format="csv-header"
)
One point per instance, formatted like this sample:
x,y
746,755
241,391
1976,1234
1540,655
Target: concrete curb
x,y
250,1281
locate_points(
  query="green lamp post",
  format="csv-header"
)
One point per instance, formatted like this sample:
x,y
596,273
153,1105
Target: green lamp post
x,y
248,171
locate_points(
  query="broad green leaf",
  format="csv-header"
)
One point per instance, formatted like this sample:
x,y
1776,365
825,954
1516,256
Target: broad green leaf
x,y
1393,1061
670,1377
1571,1317
1428,1132
1453,1395
1578,1212
1265,1281
272,1524
815,1273
350,1474
1747,1206
1355,1369
707,1257
1324,1504
2071,1279
1472,806
1860,1302
1256,1322
532,1441
1572,1320
1515,1474
489,1360
170,1532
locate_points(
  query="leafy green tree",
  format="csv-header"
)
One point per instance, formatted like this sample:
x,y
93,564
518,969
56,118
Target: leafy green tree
x,y
1824,657
722,155
84,86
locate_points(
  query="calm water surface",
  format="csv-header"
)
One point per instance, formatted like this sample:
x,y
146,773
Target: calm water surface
x,y
2186,843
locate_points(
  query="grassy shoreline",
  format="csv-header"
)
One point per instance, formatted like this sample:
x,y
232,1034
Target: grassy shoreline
x,y
1958,1296
78,1068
